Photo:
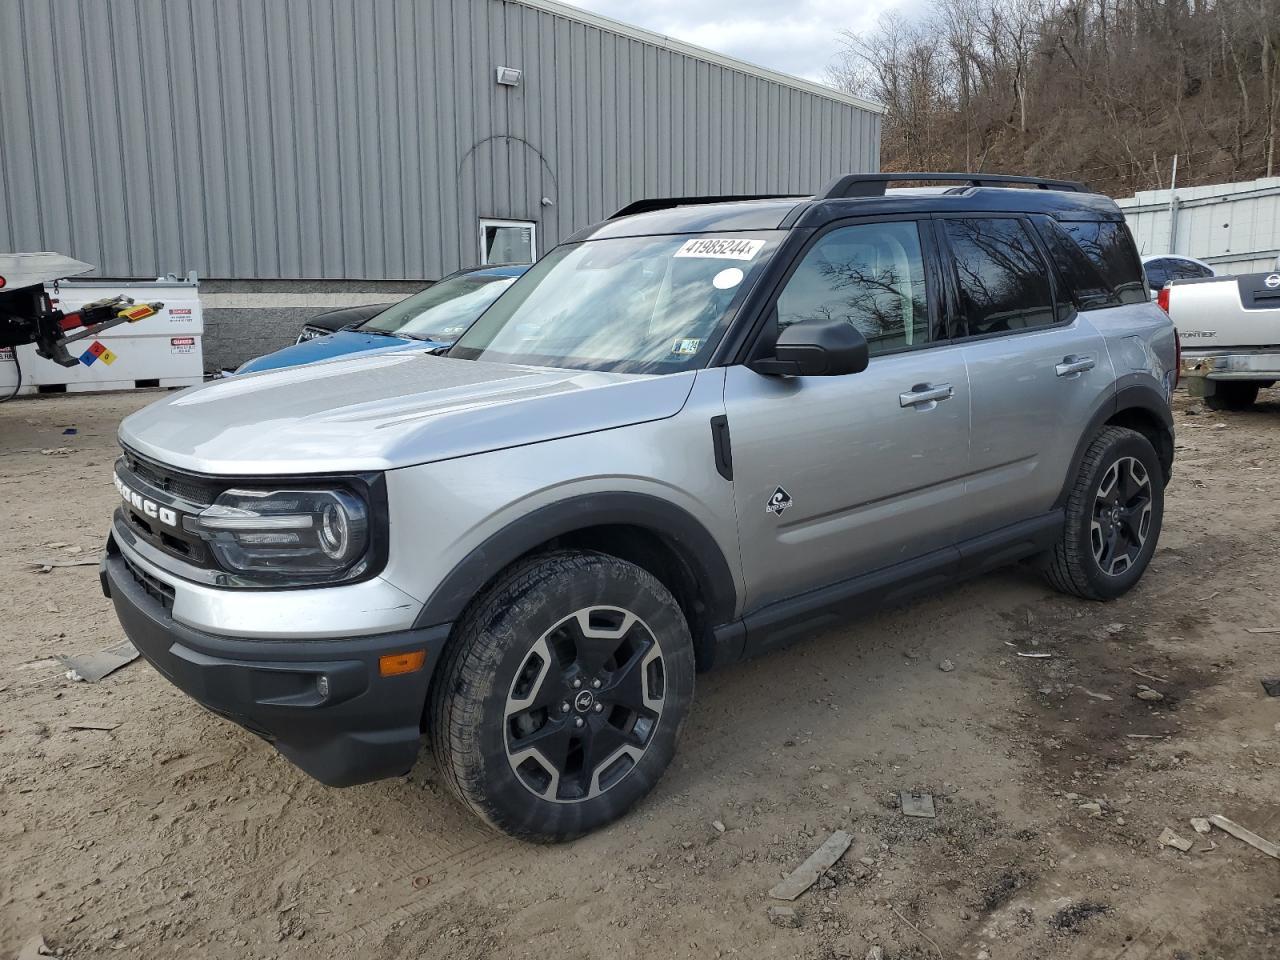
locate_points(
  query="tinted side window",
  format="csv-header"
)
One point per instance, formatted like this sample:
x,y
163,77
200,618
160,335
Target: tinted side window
x,y
1186,270
1157,273
870,275
1111,248
1082,277
1003,282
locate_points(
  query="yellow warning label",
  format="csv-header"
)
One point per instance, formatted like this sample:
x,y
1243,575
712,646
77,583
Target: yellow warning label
x,y
107,357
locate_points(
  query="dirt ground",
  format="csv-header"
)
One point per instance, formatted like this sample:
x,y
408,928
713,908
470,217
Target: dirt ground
x,y
176,834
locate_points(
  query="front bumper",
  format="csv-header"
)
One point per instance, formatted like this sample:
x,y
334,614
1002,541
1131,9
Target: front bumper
x,y
322,703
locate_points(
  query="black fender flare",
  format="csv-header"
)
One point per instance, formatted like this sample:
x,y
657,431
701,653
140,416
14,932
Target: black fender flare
x,y
1134,392
673,524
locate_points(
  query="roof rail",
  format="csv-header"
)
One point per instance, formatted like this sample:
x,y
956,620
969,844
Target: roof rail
x,y
873,184
666,203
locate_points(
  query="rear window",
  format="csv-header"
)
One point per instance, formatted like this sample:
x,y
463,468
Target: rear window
x,y
1112,251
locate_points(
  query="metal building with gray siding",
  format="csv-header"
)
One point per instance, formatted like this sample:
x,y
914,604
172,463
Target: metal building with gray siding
x,y
1235,227
369,139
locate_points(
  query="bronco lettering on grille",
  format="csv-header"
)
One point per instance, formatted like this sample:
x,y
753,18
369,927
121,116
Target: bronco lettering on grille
x,y
146,507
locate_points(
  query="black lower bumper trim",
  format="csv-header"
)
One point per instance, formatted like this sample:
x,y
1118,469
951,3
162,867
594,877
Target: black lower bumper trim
x,y
322,703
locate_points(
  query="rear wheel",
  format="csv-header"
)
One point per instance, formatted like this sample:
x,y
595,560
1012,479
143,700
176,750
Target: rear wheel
x,y
1113,517
562,696
1232,395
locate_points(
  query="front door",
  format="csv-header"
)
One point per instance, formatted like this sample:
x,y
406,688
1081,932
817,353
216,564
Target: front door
x,y
838,476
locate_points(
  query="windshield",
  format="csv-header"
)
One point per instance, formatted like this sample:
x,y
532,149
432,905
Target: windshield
x,y
627,305
443,311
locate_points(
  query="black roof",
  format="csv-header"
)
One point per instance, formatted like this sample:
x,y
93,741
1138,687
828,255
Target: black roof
x,y
1060,199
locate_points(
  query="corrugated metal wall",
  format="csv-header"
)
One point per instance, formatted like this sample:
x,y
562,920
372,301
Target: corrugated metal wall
x,y
1233,226
365,138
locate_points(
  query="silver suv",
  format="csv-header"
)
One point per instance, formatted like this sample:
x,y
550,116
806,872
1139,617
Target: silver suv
x,y
692,433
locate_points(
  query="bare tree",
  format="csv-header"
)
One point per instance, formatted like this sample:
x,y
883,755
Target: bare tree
x,y
1102,90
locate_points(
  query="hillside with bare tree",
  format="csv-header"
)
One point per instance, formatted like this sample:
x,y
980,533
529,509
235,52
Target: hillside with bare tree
x,y
1106,91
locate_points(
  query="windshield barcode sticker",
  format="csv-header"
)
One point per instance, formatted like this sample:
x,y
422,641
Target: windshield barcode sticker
x,y
720,248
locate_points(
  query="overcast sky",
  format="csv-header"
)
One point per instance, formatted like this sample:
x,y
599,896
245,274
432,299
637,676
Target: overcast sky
x,y
799,37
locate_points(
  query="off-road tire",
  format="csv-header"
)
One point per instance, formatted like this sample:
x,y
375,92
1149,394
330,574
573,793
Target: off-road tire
x,y
1232,395
490,648
1072,566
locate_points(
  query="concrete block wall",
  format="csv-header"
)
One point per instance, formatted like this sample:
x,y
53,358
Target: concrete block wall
x,y
244,319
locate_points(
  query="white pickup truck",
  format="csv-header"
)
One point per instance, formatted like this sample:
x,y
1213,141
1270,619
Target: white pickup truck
x,y
1229,328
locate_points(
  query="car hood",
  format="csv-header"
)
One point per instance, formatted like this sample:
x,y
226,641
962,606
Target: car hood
x,y
335,345
386,410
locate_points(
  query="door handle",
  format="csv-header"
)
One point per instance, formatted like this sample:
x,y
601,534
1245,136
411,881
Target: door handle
x,y
1072,365
923,393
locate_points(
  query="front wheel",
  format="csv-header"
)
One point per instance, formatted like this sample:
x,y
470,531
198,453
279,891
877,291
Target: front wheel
x,y
1113,517
562,695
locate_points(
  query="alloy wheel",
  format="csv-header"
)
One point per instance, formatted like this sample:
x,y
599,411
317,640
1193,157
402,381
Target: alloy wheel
x,y
1121,516
584,705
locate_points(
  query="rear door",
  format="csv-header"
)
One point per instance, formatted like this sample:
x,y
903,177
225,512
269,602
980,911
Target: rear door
x,y
838,476
1037,369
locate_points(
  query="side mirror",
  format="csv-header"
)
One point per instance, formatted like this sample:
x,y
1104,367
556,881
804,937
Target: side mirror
x,y
816,348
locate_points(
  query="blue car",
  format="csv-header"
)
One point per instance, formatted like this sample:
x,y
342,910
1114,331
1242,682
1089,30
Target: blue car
x,y
432,319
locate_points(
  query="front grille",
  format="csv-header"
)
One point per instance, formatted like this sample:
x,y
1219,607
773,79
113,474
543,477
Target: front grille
x,y
182,493
197,490
156,589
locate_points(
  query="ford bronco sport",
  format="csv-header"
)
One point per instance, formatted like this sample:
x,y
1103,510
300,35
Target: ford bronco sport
x,y
692,433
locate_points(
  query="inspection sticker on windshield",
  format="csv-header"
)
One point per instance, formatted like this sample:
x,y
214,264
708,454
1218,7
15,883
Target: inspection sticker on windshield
x,y
721,248
686,348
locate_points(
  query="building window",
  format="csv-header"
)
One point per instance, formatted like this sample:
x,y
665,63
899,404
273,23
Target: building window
x,y
508,241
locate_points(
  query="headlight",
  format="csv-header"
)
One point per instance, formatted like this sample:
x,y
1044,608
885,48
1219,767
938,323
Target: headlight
x,y
287,537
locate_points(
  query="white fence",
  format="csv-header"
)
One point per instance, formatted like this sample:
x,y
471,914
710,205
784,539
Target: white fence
x,y
1233,226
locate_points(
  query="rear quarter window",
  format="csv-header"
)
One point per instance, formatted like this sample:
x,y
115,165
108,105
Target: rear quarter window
x,y
1111,249
1084,281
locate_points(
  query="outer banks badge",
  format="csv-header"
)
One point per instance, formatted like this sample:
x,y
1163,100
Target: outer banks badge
x,y
778,502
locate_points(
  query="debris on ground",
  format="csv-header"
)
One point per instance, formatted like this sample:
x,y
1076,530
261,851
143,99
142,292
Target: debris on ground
x,y
35,948
1148,676
717,826
55,451
1272,686
818,863
1092,808
1263,629
1070,917
47,565
92,667
1200,824
1248,836
946,666
104,727
1146,693
1096,696
783,917
1168,838
917,804
1034,655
